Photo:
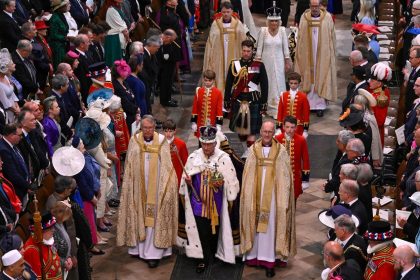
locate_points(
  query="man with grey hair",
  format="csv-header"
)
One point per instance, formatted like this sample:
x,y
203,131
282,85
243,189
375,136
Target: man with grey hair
x,y
60,85
136,48
348,171
356,58
25,70
148,211
349,192
354,245
355,149
150,70
332,184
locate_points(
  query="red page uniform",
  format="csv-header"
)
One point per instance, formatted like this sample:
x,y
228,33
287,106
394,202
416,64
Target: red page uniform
x,y
297,107
178,146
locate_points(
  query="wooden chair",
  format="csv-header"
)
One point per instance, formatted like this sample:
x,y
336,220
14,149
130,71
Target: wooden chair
x,y
392,112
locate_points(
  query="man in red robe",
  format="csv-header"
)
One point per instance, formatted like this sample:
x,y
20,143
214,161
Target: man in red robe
x,y
294,103
298,151
51,260
179,152
207,105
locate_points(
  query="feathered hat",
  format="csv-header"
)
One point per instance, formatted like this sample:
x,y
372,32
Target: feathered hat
x,y
381,72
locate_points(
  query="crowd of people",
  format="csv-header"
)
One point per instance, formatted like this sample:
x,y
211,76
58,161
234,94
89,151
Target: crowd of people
x,y
80,142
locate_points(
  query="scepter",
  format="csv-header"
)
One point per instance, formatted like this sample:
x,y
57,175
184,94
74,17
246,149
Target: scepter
x,y
38,238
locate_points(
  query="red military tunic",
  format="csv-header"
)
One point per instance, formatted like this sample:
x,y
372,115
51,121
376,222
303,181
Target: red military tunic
x,y
298,108
381,109
299,159
207,108
181,147
381,265
52,264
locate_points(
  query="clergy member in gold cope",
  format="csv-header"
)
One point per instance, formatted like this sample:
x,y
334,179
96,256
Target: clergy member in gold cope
x,y
148,213
223,44
267,211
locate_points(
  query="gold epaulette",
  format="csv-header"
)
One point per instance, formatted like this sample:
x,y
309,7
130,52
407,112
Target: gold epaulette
x,y
358,249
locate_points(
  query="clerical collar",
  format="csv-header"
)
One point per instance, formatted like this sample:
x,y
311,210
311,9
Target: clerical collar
x,y
227,21
267,145
148,139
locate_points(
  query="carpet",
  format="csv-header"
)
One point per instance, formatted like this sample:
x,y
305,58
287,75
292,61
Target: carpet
x,y
184,269
322,150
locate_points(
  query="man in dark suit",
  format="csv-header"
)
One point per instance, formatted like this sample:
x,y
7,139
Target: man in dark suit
x,y
81,43
14,166
349,191
25,69
78,12
28,146
150,68
354,245
22,14
9,36
60,85
358,78
411,119
405,263
410,96
337,265
96,49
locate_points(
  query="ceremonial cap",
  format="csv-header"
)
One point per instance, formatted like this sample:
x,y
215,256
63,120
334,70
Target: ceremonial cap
x,y
47,221
97,69
381,72
89,131
11,257
274,13
208,134
379,231
68,161
327,217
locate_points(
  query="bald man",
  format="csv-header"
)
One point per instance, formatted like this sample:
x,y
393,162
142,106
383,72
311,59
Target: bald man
x,y
405,263
337,265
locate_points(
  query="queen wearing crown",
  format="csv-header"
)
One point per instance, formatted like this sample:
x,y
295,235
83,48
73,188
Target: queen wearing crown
x,y
273,49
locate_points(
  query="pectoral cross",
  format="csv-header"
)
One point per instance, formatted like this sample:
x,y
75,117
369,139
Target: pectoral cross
x,y
215,166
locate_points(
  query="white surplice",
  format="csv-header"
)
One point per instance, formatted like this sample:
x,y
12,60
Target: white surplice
x,y
264,244
146,249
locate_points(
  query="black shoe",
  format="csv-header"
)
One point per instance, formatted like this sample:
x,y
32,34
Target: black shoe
x,y
269,272
200,268
320,113
153,263
171,104
113,204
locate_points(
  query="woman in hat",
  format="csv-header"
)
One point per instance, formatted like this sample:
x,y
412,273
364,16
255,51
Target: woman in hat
x,y
59,29
273,49
118,36
52,127
137,86
8,98
380,74
120,72
41,38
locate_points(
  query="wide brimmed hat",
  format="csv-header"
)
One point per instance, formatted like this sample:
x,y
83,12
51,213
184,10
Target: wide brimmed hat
x,y
97,69
89,131
365,28
100,98
40,24
47,222
328,216
368,95
208,134
73,54
379,231
350,117
5,60
57,4
68,161
103,119
415,198
273,13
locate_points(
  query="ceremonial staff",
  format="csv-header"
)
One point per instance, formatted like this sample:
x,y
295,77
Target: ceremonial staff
x,y
175,149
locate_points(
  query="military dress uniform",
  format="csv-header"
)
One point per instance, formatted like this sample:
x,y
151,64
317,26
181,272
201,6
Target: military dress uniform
x,y
207,108
299,159
246,93
297,106
380,111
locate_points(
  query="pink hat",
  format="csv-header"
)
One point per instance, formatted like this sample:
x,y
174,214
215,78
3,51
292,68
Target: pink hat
x,y
73,54
122,68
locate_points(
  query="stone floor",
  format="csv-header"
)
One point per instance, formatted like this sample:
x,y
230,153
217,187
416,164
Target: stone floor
x,y
311,234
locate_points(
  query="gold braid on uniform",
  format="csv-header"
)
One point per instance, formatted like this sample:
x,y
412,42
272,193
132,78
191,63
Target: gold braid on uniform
x,y
243,73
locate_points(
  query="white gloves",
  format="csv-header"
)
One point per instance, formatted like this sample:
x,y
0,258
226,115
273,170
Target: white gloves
x,y
305,134
219,127
305,185
194,127
278,132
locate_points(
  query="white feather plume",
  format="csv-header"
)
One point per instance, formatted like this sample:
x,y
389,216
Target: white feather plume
x,y
381,71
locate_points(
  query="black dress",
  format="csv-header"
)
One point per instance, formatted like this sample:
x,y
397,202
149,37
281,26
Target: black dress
x,y
128,101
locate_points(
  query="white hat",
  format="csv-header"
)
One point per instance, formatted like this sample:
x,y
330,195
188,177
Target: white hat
x,y
368,95
415,198
11,257
68,161
103,119
328,216
99,104
115,103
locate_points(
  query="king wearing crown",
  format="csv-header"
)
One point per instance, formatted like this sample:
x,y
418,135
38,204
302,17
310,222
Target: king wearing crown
x,y
208,186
